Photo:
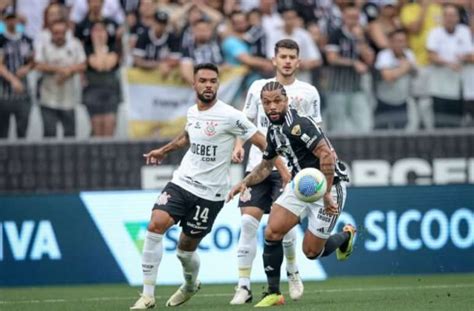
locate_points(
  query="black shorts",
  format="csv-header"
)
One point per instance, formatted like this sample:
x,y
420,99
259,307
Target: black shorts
x,y
263,194
101,100
196,215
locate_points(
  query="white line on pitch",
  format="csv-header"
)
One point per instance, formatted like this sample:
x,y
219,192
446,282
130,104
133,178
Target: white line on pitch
x,y
329,290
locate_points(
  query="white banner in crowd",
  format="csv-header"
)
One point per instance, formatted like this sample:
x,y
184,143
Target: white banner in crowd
x,y
122,219
155,101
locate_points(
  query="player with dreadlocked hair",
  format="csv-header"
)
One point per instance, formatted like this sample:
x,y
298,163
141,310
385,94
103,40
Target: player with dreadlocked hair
x,y
274,85
302,142
257,200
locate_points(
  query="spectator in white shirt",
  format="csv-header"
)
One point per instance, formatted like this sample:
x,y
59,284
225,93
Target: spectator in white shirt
x,y
396,66
468,82
449,46
59,59
54,12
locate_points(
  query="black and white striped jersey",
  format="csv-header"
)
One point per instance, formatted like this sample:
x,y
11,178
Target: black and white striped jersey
x,y
149,47
295,140
16,50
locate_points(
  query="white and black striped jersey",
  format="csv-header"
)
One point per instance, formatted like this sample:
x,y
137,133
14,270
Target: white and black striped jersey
x,y
149,47
209,52
295,140
83,32
302,96
343,78
16,51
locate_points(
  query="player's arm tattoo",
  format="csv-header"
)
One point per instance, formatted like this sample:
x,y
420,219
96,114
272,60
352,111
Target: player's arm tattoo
x,y
179,142
260,172
327,161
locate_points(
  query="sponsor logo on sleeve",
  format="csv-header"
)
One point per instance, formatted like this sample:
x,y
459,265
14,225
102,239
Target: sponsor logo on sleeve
x,y
305,138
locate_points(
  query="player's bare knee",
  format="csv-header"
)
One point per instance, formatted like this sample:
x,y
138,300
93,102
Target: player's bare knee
x,y
272,234
160,222
312,252
157,227
187,243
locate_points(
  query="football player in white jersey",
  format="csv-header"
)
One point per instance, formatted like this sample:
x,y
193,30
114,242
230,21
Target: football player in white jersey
x,y
257,200
197,191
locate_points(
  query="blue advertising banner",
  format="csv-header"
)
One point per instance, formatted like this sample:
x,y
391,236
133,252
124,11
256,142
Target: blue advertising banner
x,y
410,229
98,237
52,240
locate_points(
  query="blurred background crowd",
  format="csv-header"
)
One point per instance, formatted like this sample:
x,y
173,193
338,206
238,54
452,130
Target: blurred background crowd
x,y
378,64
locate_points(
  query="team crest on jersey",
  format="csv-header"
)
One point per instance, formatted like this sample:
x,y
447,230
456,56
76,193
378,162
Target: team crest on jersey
x,y
296,130
246,195
210,129
163,198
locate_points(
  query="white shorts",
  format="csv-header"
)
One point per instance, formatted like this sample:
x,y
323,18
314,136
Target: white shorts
x,y
319,223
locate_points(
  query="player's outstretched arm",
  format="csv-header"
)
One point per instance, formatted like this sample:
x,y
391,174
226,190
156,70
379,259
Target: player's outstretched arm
x,y
259,140
156,156
259,173
327,160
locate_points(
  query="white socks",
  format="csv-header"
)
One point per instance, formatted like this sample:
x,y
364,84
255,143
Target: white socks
x,y
190,262
152,253
247,248
289,249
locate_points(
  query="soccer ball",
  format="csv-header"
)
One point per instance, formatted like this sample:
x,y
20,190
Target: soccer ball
x,y
309,185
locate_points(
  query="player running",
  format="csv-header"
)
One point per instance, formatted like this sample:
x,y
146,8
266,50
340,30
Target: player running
x,y
197,191
257,200
300,140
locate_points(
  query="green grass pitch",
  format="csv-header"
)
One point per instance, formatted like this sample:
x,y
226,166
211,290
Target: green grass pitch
x,y
453,292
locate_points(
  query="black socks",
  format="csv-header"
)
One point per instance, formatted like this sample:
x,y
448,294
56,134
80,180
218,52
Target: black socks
x,y
272,260
335,241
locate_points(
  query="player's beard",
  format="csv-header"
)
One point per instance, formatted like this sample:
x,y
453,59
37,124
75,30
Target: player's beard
x,y
280,120
206,100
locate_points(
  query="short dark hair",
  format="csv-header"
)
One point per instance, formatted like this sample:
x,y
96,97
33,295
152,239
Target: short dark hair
x,y
202,20
254,11
288,8
236,12
396,32
208,66
287,44
349,5
60,21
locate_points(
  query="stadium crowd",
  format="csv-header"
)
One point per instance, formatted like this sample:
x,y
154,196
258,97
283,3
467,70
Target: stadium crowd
x,y
378,64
